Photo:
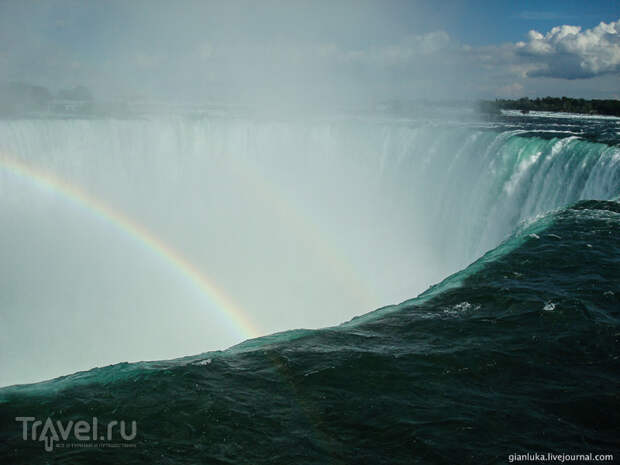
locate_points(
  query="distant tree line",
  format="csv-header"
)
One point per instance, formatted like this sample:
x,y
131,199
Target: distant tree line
x,y
559,104
22,98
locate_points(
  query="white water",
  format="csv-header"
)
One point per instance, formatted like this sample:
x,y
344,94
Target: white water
x,y
302,224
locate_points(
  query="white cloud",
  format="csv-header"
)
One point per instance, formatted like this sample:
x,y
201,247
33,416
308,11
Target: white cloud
x,y
167,54
568,52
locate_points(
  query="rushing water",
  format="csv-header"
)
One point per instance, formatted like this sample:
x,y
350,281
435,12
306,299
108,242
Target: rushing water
x,y
306,224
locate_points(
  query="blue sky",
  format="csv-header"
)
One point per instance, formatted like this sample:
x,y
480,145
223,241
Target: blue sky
x,y
350,50
488,22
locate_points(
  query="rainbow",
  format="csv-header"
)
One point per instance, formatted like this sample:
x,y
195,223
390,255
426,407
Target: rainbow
x,y
252,175
218,299
221,302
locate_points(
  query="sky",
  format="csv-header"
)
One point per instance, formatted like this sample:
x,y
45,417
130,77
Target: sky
x,y
314,51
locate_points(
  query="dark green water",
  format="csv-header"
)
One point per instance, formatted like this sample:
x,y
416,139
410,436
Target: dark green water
x,y
518,353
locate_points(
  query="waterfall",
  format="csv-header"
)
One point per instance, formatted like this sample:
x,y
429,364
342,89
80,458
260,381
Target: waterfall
x,y
301,224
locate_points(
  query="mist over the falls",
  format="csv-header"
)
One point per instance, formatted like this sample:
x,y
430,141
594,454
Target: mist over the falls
x,y
302,223
178,177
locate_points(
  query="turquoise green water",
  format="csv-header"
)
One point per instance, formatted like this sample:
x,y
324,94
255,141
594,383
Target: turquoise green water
x,y
517,353
521,356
